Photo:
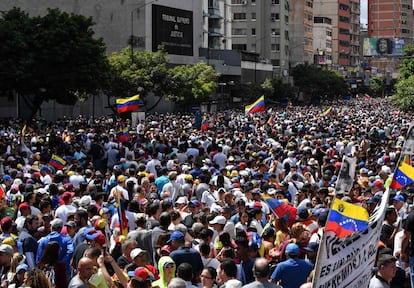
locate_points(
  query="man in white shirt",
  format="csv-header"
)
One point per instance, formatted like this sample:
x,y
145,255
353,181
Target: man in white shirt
x,y
63,210
119,189
45,177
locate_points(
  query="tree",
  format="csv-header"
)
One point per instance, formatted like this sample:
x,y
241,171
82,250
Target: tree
x,y
277,91
404,94
376,85
148,72
192,83
316,82
407,64
51,57
142,72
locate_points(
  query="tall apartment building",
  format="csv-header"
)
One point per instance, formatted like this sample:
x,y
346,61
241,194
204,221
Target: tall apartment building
x,y
262,27
345,30
390,19
301,32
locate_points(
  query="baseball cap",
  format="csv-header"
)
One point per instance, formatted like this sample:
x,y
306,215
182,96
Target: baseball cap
x,y
135,252
142,273
195,203
377,183
312,247
176,235
181,200
67,195
21,267
24,205
7,178
373,199
399,197
56,223
71,224
303,213
92,235
6,223
219,220
292,248
4,248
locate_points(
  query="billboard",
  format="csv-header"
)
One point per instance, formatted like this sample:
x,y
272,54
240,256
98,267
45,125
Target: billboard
x,y
172,28
383,47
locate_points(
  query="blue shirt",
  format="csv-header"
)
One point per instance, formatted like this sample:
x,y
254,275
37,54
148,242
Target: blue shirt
x,y
292,272
65,243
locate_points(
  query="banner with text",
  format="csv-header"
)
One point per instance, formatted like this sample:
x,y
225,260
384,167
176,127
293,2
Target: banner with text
x,y
347,262
172,28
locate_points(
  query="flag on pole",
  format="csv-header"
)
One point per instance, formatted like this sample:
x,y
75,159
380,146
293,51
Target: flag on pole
x,y
403,174
344,111
204,124
328,111
271,122
127,104
257,106
282,210
57,162
24,130
346,218
123,221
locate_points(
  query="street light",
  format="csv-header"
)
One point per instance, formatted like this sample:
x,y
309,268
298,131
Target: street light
x,y
131,41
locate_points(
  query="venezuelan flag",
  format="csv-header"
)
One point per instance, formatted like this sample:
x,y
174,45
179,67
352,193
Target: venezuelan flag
x,y
123,221
123,134
344,111
57,162
127,104
257,106
327,111
271,122
204,124
346,218
403,176
282,210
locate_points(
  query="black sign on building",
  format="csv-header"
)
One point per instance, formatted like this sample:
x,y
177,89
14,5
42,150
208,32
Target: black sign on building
x,y
172,28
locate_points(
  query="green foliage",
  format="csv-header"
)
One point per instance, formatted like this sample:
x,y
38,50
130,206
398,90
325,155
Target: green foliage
x,y
50,57
316,82
276,90
407,65
404,94
142,72
192,82
376,86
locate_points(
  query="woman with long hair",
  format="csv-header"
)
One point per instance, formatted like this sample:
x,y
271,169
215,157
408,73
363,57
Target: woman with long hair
x,y
54,269
35,278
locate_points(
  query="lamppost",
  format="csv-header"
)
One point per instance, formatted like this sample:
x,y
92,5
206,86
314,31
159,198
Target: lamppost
x,y
131,40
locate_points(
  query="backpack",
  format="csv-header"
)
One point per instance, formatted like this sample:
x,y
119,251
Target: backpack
x,y
278,253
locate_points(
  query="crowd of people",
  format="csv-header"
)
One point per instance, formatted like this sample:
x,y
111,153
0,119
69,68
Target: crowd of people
x,y
168,204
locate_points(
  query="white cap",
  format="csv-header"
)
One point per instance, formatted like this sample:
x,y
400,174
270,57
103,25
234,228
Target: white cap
x,y
181,200
135,252
219,220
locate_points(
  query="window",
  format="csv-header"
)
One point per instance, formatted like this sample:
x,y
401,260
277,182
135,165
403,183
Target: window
x,y
239,16
253,47
253,31
275,31
405,31
275,2
238,2
239,31
287,35
274,16
344,19
344,31
344,43
343,7
253,1
309,4
240,47
253,16
329,33
286,19
275,47
276,62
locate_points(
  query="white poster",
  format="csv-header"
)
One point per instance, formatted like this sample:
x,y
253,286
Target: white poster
x,y
347,262
346,175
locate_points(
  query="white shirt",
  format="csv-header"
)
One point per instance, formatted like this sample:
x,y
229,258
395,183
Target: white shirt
x,y
131,220
63,211
119,189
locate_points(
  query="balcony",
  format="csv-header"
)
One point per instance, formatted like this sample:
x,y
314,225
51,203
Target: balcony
x,y
214,13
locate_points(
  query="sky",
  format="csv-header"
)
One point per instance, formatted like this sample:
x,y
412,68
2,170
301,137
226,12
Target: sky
x,y
364,15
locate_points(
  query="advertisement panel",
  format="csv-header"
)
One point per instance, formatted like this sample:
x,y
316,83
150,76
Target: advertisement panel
x,y
383,47
172,28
